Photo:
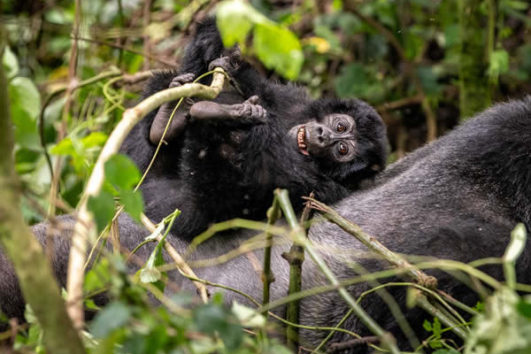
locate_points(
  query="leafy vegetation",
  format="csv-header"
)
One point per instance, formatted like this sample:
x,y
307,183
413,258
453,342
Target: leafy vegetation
x,y
73,68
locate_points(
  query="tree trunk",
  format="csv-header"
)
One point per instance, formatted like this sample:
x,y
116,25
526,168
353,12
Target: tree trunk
x,y
31,266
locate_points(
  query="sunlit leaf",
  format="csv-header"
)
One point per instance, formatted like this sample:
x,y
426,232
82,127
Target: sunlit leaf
x,y
499,63
97,277
278,49
132,202
10,63
234,20
121,172
102,207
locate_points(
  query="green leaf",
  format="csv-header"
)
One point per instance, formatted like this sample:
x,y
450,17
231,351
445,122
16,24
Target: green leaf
x,y
513,251
132,202
502,328
24,93
247,316
214,318
149,273
112,317
10,63
121,172
427,326
234,20
524,308
97,277
102,207
446,351
517,244
279,49
498,64
428,80
25,107
352,81
64,147
94,139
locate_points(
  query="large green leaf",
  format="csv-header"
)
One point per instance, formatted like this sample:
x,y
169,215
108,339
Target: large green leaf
x,y
278,48
121,172
102,207
25,107
234,20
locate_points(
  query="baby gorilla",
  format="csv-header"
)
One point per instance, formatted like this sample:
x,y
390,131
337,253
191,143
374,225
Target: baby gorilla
x,y
225,157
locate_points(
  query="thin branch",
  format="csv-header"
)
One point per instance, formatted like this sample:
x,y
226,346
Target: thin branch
x,y
127,49
406,101
349,344
374,245
267,274
295,258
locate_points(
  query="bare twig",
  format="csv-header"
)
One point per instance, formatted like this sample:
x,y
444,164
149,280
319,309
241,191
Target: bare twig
x,y
406,101
295,258
267,276
127,49
146,17
349,344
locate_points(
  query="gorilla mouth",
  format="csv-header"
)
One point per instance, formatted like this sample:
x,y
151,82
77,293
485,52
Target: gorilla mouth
x,y
301,141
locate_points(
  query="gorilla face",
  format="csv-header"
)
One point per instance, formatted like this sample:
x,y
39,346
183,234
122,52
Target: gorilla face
x,y
333,138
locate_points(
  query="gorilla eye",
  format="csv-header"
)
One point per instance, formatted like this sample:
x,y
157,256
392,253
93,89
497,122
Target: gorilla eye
x,y
342,148
341,128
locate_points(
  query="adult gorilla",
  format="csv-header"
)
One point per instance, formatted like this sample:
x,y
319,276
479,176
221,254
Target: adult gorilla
x,y
457,198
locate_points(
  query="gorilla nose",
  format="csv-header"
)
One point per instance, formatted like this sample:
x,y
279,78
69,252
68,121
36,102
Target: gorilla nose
x,y
323,136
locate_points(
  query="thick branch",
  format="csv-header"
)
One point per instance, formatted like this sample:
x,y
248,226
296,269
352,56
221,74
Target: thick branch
x,y
85,224
34,272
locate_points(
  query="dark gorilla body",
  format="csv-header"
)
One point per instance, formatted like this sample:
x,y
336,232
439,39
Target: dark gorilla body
x,y
457,198
220,164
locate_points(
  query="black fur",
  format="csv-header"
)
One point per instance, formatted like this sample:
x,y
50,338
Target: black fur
x,y
223,170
